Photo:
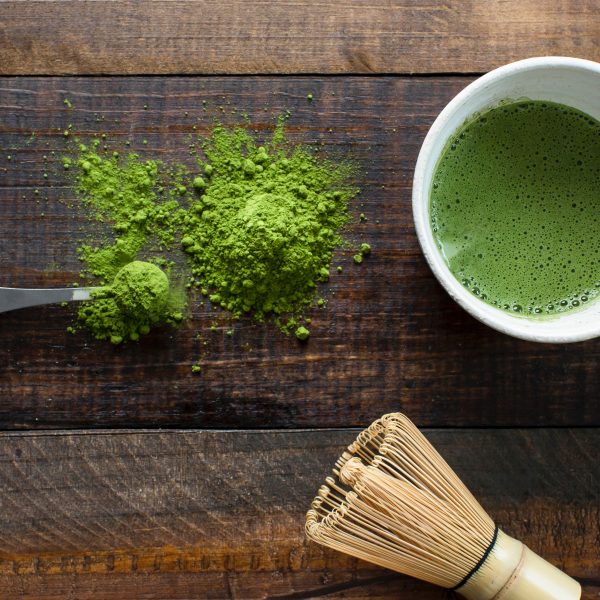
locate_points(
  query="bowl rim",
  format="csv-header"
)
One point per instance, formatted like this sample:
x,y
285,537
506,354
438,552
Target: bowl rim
x,y
516,326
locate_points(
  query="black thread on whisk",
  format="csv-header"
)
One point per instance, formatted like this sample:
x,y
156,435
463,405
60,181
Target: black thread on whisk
x,y
481,561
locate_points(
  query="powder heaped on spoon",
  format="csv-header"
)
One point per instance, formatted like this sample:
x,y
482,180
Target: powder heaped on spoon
x,y
141,290
138,299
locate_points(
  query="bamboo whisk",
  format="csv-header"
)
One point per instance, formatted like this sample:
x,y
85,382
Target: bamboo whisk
x,y
395,502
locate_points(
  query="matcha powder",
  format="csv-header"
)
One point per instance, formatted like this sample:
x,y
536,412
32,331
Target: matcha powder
x,y
138,298
253,226
263,232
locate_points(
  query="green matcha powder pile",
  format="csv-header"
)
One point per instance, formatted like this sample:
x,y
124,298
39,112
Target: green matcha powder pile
x,y
254,228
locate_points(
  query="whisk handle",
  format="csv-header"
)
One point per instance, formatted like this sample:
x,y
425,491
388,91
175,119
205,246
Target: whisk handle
x,y
513,572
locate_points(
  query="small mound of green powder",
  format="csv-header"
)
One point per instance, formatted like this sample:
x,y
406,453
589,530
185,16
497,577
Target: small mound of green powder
x,y
138,298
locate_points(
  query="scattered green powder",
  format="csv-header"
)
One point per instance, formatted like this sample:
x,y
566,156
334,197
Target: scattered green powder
x,y
364,250
129,195
256,229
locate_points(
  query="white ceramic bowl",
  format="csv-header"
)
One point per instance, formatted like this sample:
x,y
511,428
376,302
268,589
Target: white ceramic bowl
x,y
571,81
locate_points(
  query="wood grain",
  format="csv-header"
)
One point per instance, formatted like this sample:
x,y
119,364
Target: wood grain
x,y
218,514
203,514
294,36
389,339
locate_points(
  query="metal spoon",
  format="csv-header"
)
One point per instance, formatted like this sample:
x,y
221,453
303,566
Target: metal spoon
x,y
13,298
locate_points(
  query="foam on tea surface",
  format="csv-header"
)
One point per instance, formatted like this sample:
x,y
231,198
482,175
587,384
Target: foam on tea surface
x,y
515,207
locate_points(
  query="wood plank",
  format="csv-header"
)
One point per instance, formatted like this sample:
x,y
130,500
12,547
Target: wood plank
x,y
218,514
294,36
356,585
389,339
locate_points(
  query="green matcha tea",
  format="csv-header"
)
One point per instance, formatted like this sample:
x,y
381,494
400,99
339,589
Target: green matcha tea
x,y
515,207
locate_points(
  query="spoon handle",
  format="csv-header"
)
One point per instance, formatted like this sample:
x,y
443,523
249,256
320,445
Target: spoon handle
x,y
13,298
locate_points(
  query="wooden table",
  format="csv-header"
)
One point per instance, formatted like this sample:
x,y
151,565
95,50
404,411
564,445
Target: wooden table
x,y
122,475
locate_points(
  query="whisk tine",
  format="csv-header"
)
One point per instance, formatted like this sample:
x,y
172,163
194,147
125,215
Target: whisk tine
x,y
395,502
